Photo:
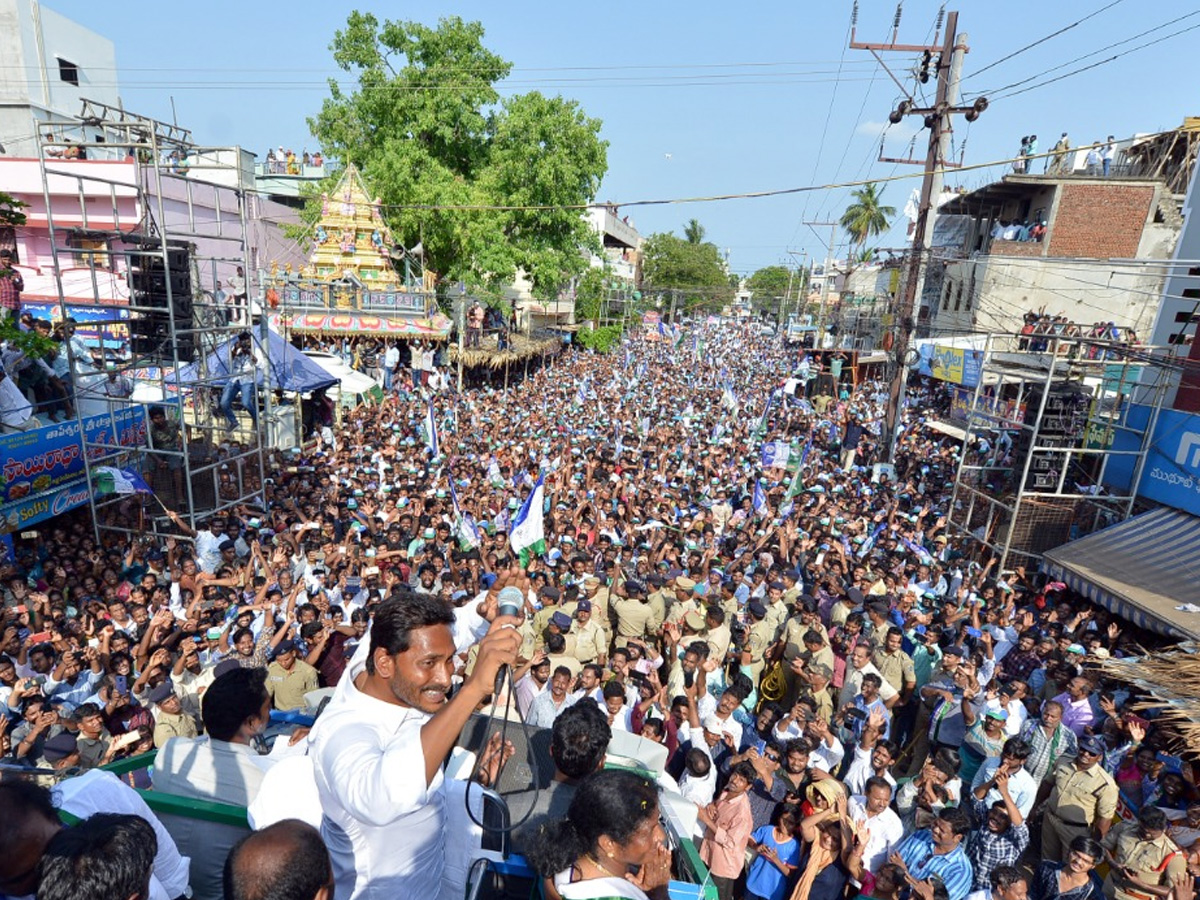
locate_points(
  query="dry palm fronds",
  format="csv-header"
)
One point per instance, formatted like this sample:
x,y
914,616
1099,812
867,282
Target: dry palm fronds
x,y
1170,681
520,347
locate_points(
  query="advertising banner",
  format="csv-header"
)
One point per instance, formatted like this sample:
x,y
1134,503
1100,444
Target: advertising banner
x,y
106,327
33,464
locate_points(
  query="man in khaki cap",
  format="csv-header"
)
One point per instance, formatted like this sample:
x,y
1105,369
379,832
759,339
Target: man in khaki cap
x,y
684,601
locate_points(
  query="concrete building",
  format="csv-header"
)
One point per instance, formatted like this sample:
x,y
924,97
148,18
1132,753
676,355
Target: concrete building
x,y
620,257
48,64
1091,265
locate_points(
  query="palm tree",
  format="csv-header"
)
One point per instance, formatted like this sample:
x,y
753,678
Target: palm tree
x,y
866,217
693,231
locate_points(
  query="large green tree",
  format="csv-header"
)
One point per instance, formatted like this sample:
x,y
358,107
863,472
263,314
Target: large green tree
x,y
866,216
693,269
771,283
432,136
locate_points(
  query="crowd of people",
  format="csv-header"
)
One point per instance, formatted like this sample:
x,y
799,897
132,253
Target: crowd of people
x,y
288,162
850,700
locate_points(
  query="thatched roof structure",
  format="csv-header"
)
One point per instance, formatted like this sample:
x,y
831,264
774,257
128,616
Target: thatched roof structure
x,y
1172,679
520,348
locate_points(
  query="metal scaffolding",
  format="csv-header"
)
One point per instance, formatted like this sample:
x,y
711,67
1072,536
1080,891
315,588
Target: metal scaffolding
x,y
168,220
1049,417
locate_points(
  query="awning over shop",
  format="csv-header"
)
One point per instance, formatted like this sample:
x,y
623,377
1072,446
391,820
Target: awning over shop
x,y
1140,569
436,328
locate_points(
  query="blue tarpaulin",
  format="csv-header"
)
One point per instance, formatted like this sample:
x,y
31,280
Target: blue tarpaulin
x,y
291,370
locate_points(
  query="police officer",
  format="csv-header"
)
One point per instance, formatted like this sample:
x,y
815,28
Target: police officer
x,y
759,638
1082,801
1144,860
590,643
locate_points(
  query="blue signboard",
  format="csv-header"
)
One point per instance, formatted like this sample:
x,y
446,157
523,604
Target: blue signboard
x,y
97,326
41,470
1171,474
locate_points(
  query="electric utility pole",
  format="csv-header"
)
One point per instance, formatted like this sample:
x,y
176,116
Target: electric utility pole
x,y
819,344
948,59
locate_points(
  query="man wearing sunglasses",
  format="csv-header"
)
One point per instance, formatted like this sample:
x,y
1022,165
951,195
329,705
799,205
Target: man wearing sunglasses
x,y
1082,801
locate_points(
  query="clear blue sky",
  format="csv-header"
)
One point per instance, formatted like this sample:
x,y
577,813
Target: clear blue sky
x,y
697,98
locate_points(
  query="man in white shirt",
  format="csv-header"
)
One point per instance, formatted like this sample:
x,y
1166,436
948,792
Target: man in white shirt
x,y
871,811
391,359
378,748
222,767
33,815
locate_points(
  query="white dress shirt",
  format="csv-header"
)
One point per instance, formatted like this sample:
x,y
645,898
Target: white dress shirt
x,y
885,831
99,791
383,823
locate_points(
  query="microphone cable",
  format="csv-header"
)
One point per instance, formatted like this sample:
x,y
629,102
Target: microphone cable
x,y
503,676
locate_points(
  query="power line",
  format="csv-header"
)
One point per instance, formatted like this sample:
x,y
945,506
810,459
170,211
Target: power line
x,y
1077,59
1043,40
714,198
1095,65
457,69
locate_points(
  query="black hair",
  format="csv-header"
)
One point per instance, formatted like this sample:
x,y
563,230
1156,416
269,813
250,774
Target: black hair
x,y
700,648
876,781
715,614
745,770
1088,845
786,809
1016,748
23,801
797,745
556,643
891,747
613,689
595,670
83,710
874,679
231,699
740,687
812,636
397,617
957,819
105,857
579,739
698,763
947,761
612,802
561,670
1153,817
284,861
1004,877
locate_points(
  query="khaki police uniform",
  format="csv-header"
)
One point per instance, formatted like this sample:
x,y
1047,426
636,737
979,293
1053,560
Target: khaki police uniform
x,y
635,619
759,640
776,615
557,660
1154,862
589,640
896,669
287,687
1078,800
719,639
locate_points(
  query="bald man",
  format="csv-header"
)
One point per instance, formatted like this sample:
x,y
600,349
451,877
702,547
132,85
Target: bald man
x,y
284,861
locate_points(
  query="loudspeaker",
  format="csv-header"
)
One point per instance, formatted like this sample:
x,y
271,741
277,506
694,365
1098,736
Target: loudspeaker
x,y
530,764
160,290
